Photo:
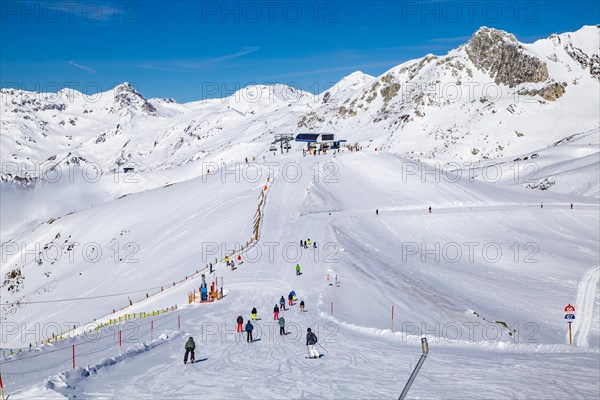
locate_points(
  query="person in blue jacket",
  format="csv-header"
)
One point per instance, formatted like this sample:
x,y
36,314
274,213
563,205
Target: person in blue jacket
x,y
249,328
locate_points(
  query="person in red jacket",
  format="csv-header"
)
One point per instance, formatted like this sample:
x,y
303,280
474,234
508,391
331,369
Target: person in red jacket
x,y
240,323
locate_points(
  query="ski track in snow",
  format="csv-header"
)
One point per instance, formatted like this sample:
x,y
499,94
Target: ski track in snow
x,y
586,293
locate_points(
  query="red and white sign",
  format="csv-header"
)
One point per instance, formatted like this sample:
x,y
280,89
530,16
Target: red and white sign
x,y
569,309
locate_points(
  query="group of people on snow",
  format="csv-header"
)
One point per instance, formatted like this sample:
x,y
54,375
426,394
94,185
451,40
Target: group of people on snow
x,y
306,244
311,338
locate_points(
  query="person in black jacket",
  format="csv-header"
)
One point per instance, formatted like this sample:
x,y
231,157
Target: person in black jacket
x,y
254,314
302,306
311,342
275,313
249,328
190,346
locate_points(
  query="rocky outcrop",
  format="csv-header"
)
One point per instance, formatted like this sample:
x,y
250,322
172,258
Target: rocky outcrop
x,y
500,54
549,92
126,97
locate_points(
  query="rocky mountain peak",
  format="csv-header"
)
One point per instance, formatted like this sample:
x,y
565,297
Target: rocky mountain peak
x,y
500,54
127,98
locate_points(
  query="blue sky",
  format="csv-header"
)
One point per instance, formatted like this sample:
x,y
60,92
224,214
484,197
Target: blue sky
x,y
190,50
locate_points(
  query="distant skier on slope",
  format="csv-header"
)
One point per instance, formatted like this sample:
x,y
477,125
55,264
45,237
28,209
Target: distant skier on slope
x,y
254,314
293,292
311,341
275,313
249,328
302,306
282,303
298,269
240,323
190,346
290,299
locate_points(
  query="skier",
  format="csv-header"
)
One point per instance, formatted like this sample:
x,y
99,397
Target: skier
x,y
377,212
305,246
249,328
240,322
275,313
239,258
298,269
542,205
254,312
311,341
281,325
302,306
308,241
301,243
232,265
246,160
282,303
293,295
314,245
190,346
571,206
210,266
290,299
429,210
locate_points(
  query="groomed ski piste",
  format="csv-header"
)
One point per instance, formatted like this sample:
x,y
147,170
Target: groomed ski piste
x,y
485,277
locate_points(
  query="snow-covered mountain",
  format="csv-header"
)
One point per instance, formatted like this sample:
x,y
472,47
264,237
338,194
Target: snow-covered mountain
x,y
490,97
413,238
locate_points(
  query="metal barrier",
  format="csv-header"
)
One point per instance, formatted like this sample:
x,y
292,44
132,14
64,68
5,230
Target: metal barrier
x,y
425,348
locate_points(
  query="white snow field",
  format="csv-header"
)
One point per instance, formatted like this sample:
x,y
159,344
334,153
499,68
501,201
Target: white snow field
x,y
500,257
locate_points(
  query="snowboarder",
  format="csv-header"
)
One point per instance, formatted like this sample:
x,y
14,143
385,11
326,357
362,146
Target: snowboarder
x,y
275,313
281,325
249,328
302,306
298,269
293,295
240,322
311,341
190,346
254,312
290,299
282,303
308,241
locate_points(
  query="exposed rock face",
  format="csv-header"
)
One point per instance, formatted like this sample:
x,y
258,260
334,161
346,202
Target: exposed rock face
x,y
549,92
592,63
126,97
499,54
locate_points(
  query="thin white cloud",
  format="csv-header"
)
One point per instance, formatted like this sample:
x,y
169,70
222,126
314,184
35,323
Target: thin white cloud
x,y
190,64
88,70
